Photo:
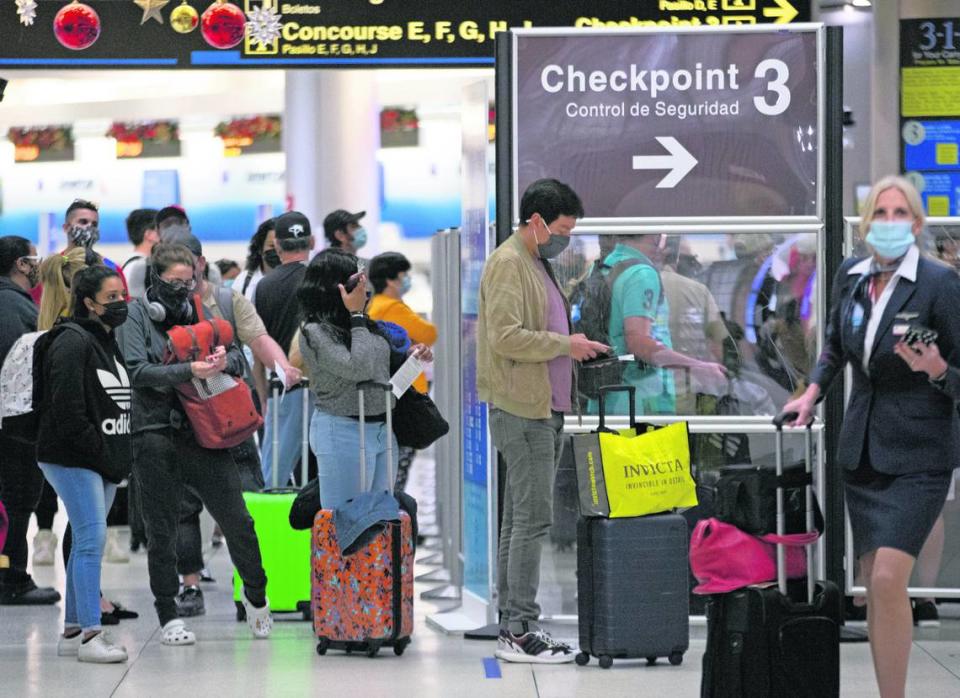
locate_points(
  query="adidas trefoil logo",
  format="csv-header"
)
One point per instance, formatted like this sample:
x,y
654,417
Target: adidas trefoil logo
x,y
116,386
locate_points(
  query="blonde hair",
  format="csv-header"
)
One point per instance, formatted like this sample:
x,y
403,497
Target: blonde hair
x,y
56,275
910,193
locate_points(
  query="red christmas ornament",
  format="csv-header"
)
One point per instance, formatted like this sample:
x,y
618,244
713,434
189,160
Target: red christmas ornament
x,y
76,26
222,24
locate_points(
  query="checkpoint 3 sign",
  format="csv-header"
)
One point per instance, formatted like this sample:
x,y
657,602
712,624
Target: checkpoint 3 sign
x,y
713,123
352,33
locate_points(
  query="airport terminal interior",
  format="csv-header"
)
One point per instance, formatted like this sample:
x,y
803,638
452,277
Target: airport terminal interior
x,y
418,145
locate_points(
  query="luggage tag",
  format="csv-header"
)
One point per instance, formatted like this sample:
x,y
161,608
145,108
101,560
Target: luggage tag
x,y
856,317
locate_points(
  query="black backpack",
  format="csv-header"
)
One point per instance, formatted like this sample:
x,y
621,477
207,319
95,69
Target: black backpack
x,y
593,297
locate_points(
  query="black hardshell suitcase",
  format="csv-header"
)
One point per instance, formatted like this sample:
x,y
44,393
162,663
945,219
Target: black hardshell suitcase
x,y
771,640
632,583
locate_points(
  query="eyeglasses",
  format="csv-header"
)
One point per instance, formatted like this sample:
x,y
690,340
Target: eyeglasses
x,y
33,258
180,284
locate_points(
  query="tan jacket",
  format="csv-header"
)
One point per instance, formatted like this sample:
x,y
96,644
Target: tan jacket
x,y
513,346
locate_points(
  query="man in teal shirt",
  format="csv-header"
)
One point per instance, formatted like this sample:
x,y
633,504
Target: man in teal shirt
x,y
640,325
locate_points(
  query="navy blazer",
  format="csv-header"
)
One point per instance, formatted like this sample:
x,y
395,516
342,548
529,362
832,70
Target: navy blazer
x,y
895,417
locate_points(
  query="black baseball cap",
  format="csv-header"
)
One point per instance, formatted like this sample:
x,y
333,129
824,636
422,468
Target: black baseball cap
x,y
292,225
339,220
172,211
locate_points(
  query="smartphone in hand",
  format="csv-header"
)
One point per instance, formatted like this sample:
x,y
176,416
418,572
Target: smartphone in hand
x,y
352,282
921,334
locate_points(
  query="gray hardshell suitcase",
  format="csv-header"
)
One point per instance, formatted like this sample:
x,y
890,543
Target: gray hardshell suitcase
x,y
632,585
633,582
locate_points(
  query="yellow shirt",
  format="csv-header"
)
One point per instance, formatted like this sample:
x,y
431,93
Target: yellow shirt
x,y
383,307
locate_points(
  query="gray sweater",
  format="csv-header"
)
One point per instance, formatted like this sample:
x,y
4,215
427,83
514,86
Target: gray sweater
x,y
335,370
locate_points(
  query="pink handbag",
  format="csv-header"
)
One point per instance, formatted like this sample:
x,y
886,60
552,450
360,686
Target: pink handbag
x,y
724,558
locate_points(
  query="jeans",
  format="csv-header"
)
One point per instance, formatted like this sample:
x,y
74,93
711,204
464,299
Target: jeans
x,y
336,443
164,462
87,497
531,449
291,436
21,483
189,537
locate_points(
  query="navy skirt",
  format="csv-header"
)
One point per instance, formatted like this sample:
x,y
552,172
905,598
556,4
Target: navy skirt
x,y
894,511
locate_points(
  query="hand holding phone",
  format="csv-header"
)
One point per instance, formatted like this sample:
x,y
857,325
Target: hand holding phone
x,y
919,334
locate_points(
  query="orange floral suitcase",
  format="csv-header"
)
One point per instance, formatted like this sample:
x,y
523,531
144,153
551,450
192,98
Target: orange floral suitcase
x,y
363,601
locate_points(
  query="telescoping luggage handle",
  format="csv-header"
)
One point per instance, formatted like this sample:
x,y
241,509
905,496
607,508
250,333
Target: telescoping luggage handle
x,y
388,390
631,392
778,422
276,386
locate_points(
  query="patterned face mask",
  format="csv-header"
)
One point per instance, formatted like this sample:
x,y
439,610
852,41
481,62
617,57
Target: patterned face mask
x,y
84,235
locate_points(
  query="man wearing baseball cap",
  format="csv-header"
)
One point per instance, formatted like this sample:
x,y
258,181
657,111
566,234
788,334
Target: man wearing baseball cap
x,y
277,306
343,230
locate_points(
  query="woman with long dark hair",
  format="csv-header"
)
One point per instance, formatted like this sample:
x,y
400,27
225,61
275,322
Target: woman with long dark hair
x,y
83,444
341,347
262,258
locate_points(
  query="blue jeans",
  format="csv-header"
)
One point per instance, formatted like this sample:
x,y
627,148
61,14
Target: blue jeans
x,y
291,437
88,498
336,443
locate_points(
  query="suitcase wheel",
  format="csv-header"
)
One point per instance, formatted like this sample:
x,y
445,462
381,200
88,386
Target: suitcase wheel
x,y
323,645
401,646
373,649
582,659
651,661
676,658
606,661
241,612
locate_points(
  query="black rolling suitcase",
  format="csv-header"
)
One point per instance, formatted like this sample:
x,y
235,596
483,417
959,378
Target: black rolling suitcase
x,y
632,583
771,640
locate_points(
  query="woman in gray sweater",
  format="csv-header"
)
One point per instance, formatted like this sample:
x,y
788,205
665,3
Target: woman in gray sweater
x,y
342,347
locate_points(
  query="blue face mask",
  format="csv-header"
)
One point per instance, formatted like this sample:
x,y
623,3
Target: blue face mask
x,y
405,283
227,283
359,238
890,239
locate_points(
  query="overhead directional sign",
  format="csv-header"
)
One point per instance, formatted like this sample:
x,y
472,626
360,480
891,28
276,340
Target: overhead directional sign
x,y
354,33
712,123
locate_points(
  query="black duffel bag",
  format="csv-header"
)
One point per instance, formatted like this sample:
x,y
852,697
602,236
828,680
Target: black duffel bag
x,y
746,496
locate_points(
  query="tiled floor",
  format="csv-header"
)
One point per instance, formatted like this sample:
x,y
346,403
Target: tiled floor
x,y
227,661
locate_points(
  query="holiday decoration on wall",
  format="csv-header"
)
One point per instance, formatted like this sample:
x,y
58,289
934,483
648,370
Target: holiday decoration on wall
x,y
146,139
151,9
42,143
184,19
254,134
222,24
399,127
27,11
76,26
264,26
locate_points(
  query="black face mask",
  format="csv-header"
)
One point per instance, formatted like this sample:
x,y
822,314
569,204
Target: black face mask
x,y
115,313
272,259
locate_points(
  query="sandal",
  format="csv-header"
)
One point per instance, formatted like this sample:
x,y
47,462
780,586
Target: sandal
x,y
175,633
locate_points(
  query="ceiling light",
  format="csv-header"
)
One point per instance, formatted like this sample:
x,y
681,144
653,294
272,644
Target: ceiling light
x,y
861,3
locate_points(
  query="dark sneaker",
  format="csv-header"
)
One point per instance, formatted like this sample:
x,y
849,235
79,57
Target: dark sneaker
x,y
533,647
854,612
27,593
190,603
925,614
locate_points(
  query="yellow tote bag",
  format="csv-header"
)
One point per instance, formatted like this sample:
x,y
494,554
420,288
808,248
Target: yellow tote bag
x,y
649,473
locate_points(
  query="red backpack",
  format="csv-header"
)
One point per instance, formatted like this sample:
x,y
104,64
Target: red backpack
x,y
220,409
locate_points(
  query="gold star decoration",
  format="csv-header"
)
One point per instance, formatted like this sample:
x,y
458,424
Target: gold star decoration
x,y
151,9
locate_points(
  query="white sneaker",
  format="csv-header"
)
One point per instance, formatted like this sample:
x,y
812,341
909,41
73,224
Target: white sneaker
x,y
100,650
259,619
533,647
44,547
113,551
68,646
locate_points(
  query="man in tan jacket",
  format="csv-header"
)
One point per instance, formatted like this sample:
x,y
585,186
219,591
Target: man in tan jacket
x,y
525,355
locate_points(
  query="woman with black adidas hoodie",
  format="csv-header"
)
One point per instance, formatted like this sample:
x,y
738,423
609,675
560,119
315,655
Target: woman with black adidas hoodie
x,y
83,443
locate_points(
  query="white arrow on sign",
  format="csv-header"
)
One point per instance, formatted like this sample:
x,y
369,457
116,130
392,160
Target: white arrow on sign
x,y
679,162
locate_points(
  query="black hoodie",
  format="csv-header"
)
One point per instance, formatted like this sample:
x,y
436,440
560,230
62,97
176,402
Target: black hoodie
x,y
85,403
